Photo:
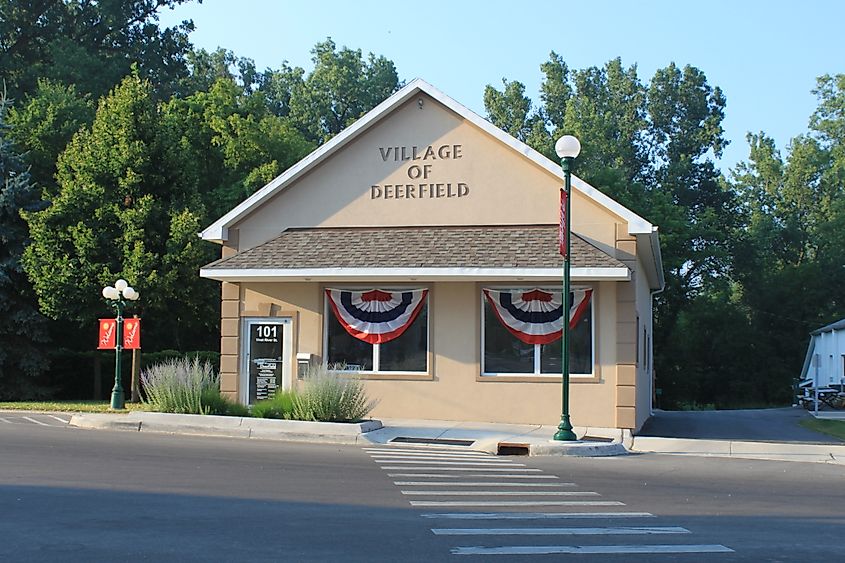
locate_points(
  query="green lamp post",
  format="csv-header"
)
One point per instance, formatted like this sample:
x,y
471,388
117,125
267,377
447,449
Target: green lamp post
x,y
567,148
118,297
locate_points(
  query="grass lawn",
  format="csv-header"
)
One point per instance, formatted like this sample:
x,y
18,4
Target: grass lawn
x,y
67,406
834,428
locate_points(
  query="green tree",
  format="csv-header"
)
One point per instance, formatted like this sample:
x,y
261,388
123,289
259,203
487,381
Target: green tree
x,y
22,328
45,123
793,254
125,208
88,44
232,141
342,87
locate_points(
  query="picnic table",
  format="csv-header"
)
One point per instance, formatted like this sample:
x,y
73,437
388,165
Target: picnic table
x,y
830,396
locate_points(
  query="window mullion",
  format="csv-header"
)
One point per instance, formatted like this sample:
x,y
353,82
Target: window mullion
x,y
376,357
537,363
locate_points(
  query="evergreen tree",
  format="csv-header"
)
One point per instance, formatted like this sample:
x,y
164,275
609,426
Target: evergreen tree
x,y
23,331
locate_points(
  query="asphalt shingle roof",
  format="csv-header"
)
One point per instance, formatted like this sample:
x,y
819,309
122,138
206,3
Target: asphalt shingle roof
x,y
501,246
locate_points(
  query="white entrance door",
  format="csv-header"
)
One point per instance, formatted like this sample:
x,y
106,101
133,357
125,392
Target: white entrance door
x,y
265,358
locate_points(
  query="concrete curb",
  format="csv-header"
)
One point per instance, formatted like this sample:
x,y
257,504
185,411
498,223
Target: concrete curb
x,y
777,451
578,449
229,426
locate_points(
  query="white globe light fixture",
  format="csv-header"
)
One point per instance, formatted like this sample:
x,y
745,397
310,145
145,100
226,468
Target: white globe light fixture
x,y
118,296
567,148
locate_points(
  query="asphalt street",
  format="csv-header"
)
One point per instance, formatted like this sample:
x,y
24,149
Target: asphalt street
x,y
69,494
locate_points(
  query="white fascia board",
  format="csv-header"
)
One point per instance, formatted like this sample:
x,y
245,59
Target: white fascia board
x,y
429,274
217,231
648,249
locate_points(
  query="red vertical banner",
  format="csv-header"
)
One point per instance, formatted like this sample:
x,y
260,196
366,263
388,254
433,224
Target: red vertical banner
x,y
132,334
108,334
562,234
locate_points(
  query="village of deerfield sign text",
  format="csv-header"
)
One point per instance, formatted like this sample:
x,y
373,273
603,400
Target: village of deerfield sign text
x,y
422,162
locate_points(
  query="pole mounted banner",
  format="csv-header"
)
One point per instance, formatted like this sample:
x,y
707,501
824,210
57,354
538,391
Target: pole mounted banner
x,y
132,334
562,233
107,338
108,334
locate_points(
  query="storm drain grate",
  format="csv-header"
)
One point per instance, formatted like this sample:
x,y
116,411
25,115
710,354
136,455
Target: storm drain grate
x,y
432,441
509,448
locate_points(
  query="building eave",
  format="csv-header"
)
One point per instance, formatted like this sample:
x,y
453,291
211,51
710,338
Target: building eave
x,y
412,274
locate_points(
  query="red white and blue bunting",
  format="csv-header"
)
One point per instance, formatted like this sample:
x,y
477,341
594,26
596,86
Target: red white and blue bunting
x,y
376,315
535,316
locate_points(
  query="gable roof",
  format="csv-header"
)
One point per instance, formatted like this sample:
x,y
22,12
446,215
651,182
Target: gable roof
x,y
838,325
218,231
495,246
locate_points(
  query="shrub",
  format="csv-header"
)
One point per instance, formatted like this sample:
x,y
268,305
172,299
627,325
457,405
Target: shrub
x,y
216,403
280,406
329,397
151,358
177,386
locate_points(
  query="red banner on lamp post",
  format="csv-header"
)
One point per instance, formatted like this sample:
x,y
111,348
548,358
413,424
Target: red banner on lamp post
x,y
132,334
562,234
108,334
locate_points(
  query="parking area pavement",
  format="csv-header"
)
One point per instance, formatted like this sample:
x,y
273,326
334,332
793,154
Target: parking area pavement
x,y
36,419
763,425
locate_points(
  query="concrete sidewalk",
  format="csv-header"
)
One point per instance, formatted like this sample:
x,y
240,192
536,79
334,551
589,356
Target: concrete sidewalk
x,y
771,434
492,438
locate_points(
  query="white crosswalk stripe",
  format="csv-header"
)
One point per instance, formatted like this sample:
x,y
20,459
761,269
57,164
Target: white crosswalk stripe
x,y
394,451
430,457
590,549
516,503
476,476
423,468
535,515
457,475
501,493
614,531
430,461
477,484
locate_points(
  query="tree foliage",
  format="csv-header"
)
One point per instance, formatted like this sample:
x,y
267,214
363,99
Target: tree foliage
x,y
89,44
22,328
342,87
124,208
44,124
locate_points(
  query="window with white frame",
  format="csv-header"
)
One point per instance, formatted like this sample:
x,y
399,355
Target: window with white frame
x,y
376,330
504,347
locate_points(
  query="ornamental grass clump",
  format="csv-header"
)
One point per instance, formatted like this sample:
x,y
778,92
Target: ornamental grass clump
x,y
280,406
177,386
329,397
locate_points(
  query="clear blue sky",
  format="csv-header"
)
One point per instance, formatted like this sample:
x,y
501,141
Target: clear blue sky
x,y
765,55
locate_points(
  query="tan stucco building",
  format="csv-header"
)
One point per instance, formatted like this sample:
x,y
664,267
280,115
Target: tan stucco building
x,y
424,199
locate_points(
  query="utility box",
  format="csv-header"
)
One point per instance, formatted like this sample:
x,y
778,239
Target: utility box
x,y
303,364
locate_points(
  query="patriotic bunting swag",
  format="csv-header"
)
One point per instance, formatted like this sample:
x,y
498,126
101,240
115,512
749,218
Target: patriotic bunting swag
x,y
536,316
376,315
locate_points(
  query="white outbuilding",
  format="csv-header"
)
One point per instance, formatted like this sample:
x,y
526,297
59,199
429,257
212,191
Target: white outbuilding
x,y
825,358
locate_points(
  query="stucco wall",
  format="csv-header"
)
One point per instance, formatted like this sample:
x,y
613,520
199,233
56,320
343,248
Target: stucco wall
x,y
454,388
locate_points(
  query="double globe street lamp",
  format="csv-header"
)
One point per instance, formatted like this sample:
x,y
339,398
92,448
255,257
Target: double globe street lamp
x,y
118,297
567,148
